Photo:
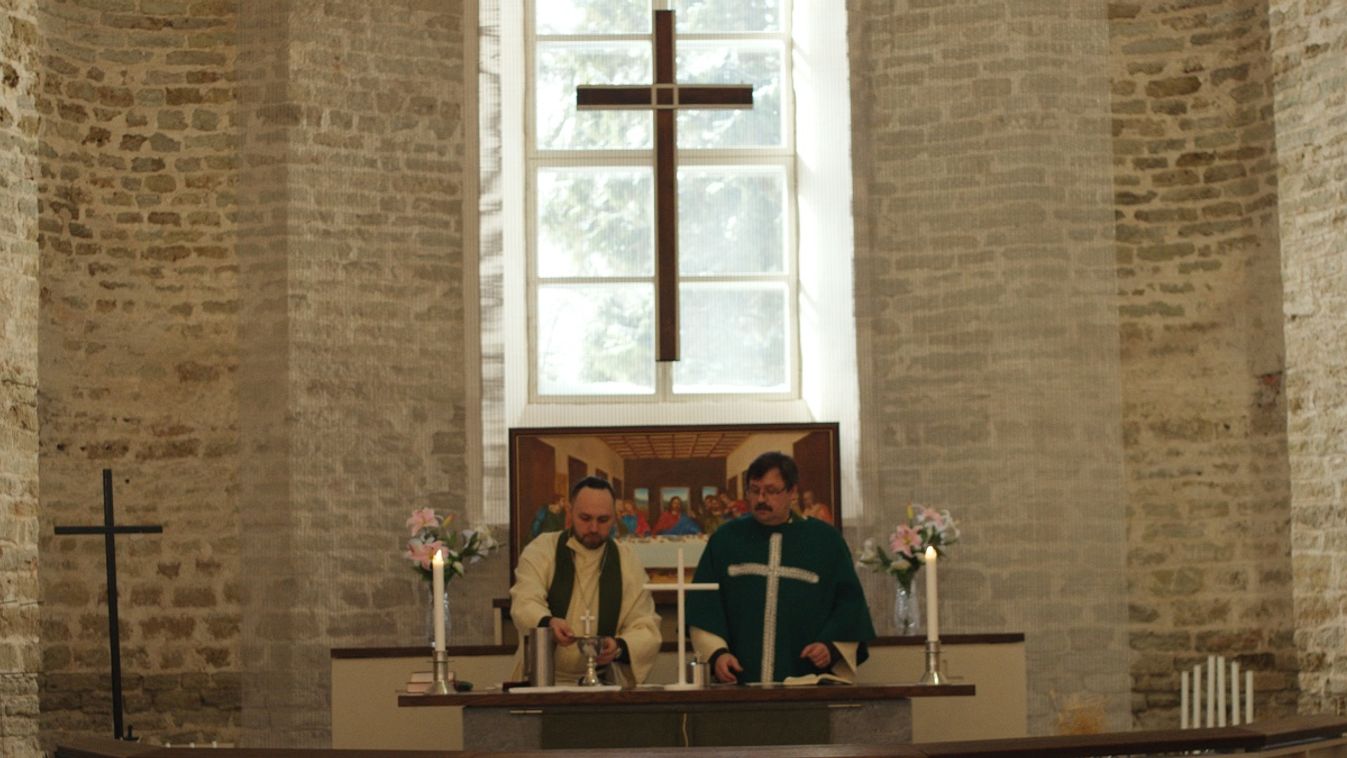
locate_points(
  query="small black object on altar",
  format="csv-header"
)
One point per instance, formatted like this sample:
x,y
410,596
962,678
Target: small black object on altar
x,y
110,530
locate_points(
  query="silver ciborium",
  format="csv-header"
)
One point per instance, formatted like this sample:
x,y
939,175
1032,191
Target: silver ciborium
x,y
589,648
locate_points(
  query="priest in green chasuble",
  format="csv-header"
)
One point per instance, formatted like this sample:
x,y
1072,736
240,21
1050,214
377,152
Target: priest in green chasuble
x,y
565,577
790,603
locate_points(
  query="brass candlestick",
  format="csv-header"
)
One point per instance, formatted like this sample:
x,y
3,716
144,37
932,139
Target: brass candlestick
x,y
932,674
439,684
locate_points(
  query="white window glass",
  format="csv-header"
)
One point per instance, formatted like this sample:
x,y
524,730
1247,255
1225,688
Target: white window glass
x,y
732,220
590,262
596,339
595,222
734,339
564,66
760,64
728,16
593,16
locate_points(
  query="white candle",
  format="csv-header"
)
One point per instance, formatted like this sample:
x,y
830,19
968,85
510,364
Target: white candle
x,y
682,626
1248,697
932,606
437,598
1211,690
1183,699
1234,693
1220,691
1197,696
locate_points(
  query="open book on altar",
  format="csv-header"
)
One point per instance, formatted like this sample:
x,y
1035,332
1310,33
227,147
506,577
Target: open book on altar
x,y
791,681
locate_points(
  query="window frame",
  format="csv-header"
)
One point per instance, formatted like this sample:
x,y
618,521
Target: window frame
x,y
783,157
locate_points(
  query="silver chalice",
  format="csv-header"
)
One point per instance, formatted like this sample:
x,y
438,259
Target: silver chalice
x,y
590,647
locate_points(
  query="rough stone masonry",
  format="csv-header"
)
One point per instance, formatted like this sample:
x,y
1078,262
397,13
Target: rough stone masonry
x,y
1199,288
20,654
1099,304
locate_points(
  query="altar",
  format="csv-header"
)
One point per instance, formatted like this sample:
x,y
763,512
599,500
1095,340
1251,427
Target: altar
x,y
366,683
719,715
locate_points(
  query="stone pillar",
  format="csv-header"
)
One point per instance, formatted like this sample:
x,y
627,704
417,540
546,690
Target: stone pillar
x,y
1199,293
1309,50
987,322
138,357
353,402
20,656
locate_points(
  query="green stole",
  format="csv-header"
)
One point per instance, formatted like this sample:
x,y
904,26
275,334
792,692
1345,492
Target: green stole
x,y
610,584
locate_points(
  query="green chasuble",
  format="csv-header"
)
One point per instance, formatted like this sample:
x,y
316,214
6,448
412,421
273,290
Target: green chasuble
x,y
796,580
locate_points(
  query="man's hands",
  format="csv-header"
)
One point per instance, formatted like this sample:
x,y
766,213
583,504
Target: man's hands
x,y
727,667
818,654
608,651
565,636
561,631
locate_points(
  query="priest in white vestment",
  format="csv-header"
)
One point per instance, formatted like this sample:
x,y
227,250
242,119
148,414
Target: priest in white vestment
x,y
564,577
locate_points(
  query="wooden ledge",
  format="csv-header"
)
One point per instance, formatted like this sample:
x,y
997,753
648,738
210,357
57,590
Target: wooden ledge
x,y
1272,734
1251,738
348,653
714,694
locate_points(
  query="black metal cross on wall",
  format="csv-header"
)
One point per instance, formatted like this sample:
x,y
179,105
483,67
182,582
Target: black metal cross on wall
x,y
665,97
110,530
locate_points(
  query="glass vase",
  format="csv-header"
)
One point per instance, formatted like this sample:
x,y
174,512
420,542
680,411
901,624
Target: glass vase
x,y
430,614
906,609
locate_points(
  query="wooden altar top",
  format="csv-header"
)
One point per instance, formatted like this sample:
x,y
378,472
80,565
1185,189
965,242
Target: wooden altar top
x,y
350,653
718,693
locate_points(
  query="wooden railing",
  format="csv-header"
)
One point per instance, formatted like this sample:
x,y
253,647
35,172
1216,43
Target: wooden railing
x,y
1309,736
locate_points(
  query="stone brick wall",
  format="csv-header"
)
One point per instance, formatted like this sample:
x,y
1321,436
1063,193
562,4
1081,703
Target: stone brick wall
x,y
138,361
275,373
353,252
20,655
1309,47
1199,302
294,352
987,321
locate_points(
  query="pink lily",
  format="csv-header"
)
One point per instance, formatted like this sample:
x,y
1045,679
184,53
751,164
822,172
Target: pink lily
x,y
420,519
423,552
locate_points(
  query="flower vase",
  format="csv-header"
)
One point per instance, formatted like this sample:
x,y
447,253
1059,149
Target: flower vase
x,y
906,609
430,615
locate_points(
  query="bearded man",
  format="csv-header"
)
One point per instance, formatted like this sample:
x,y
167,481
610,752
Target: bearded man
x,y
565,577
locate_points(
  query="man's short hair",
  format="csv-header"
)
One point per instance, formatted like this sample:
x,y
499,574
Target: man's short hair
x,y
790,473
594,483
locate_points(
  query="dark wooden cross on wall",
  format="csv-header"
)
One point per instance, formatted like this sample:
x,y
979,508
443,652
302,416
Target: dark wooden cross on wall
x,y
665,97
109,530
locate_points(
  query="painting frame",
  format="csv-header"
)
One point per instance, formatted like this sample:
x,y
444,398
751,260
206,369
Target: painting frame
x,y
653,462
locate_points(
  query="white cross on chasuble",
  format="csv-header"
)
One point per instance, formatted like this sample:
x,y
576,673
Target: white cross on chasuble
x,y
774,572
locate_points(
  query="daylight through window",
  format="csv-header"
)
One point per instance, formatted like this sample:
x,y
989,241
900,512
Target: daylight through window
x,y
590,263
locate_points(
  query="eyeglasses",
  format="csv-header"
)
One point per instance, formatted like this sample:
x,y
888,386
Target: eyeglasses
x,y
765,491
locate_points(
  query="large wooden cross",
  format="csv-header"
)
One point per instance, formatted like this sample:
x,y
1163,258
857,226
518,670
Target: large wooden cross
x,y
665,97
109,530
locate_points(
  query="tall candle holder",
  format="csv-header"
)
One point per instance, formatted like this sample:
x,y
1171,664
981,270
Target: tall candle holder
x,y
932,674
439,684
